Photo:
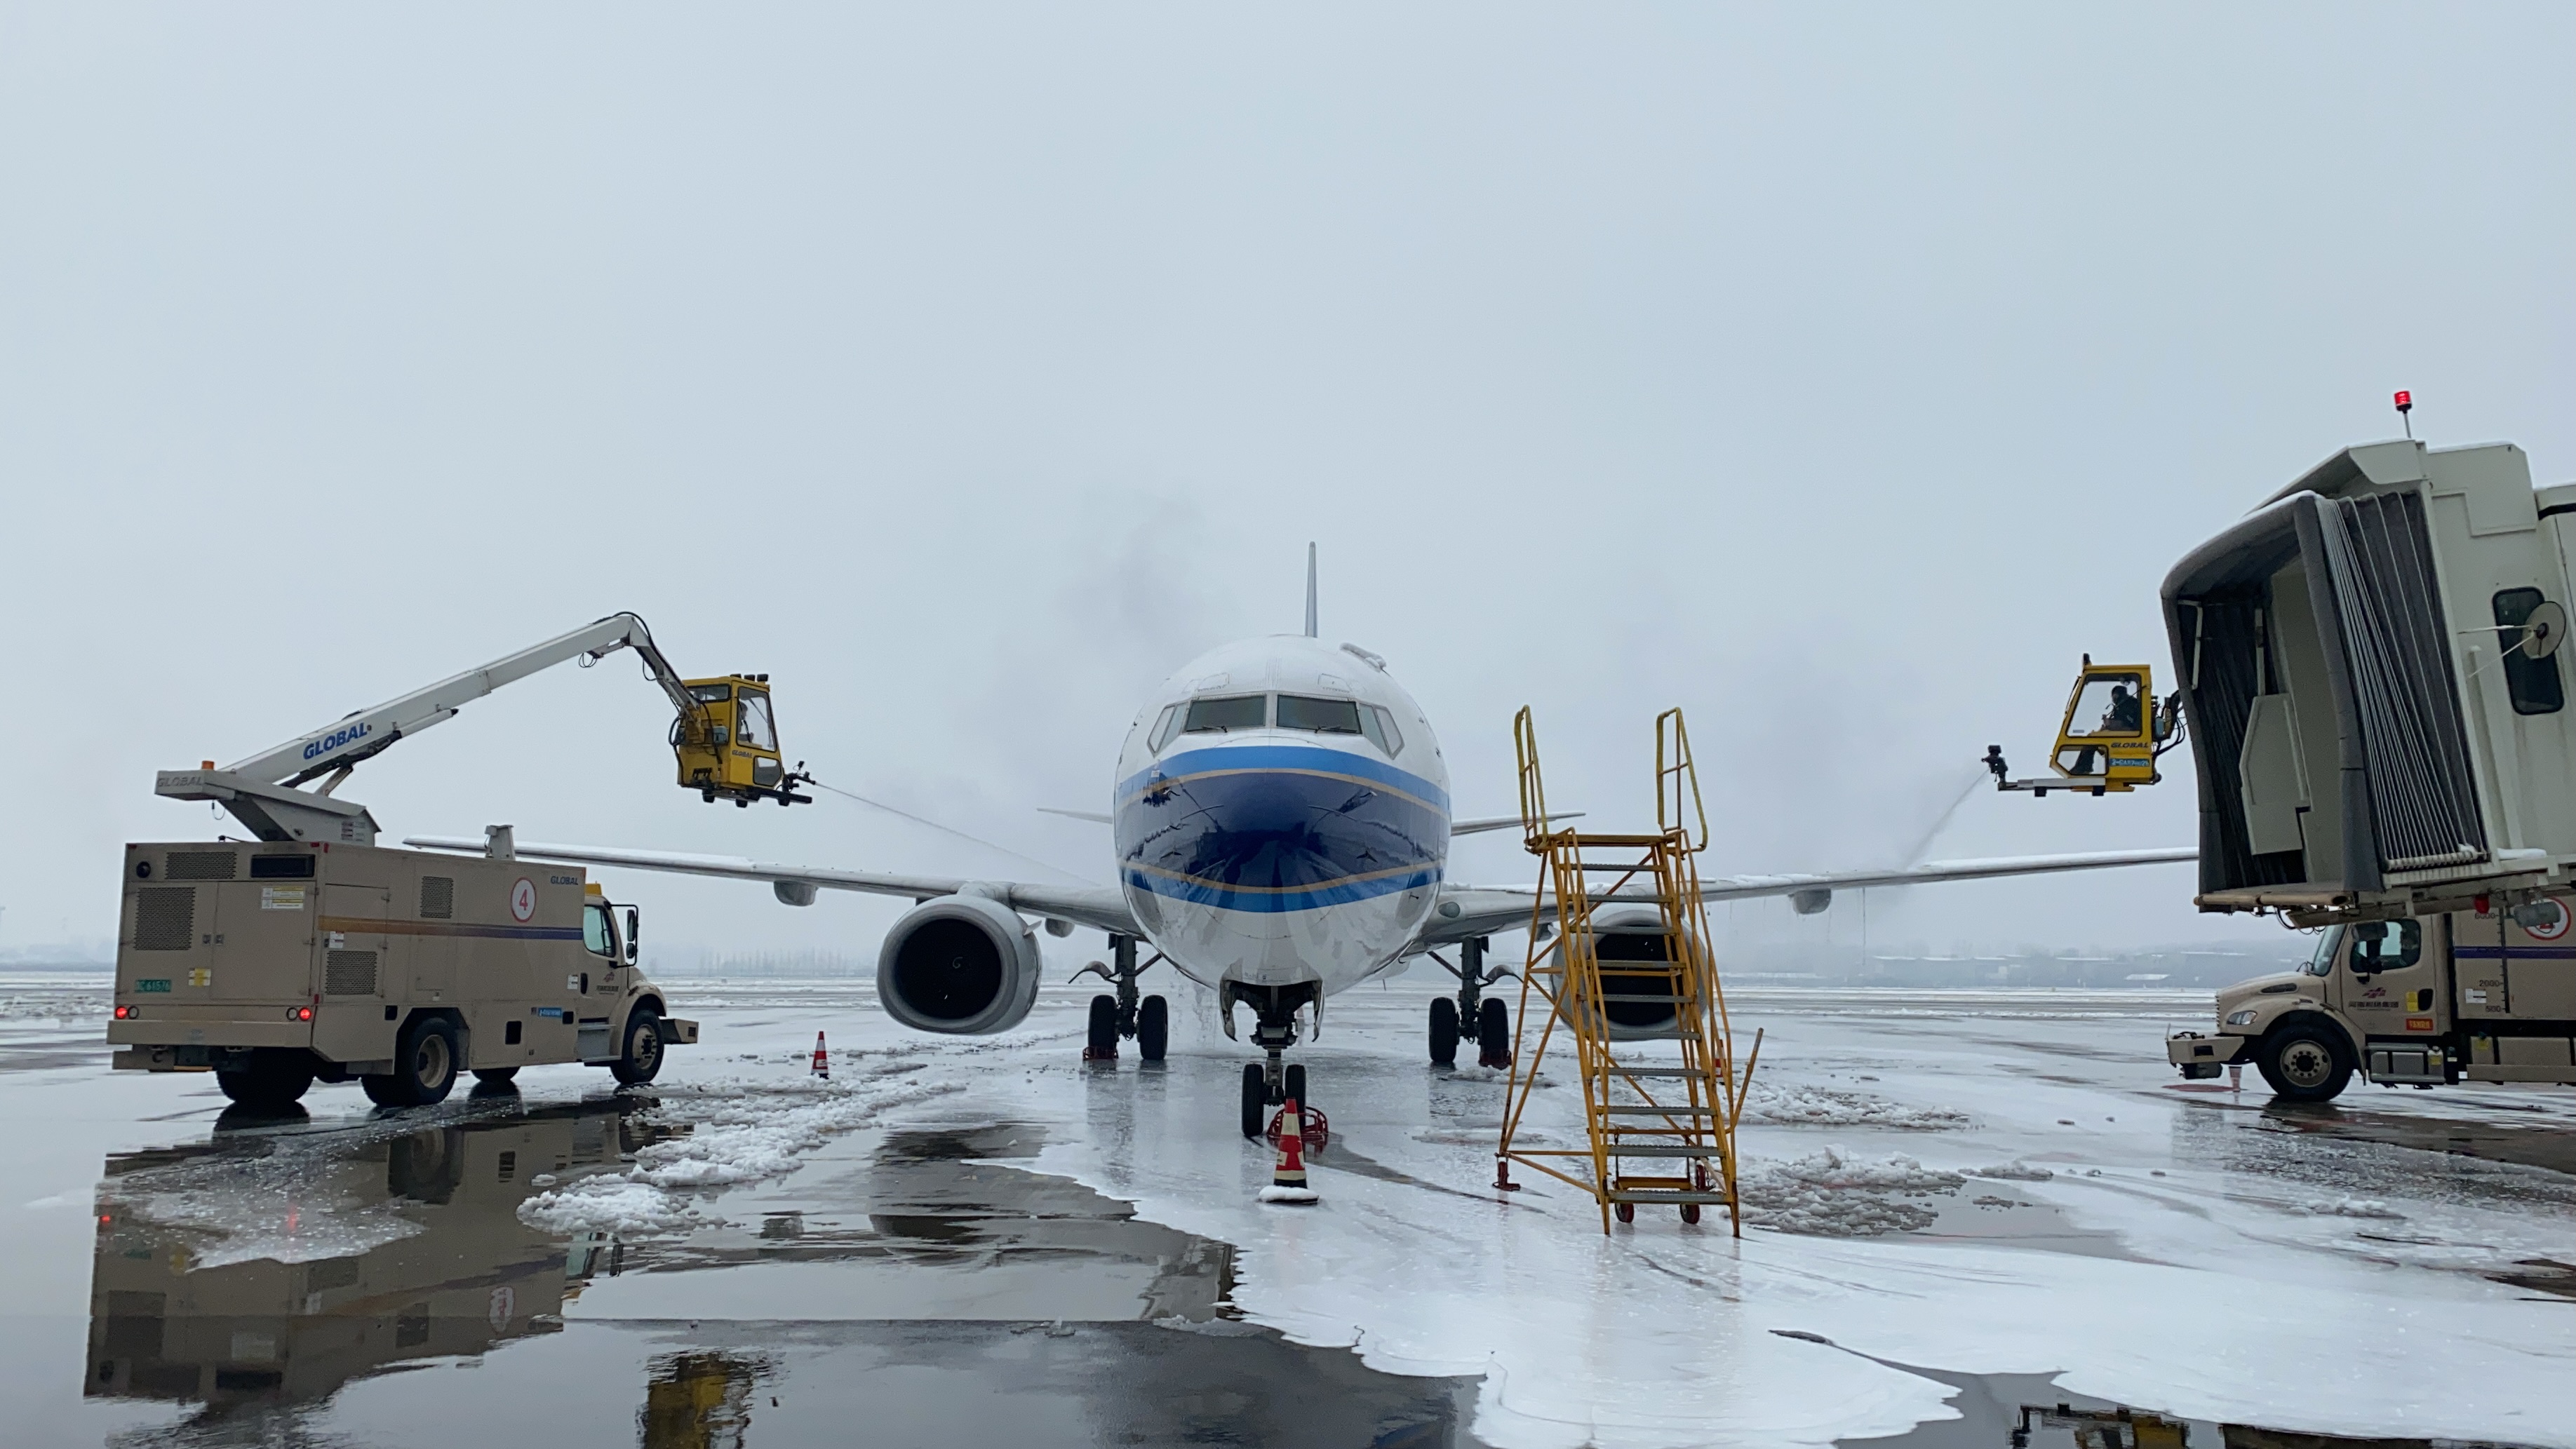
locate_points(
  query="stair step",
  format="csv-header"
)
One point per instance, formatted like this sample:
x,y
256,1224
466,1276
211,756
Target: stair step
x,y
1639,867
1675,1072
1624,1110
1620,1149
1662,1194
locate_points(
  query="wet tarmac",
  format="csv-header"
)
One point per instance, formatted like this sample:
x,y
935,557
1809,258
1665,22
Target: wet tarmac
x,y
991,1244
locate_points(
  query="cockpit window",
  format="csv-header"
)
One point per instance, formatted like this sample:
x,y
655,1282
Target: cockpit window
x,y
1379,725
1235,712
1324,716
1166,725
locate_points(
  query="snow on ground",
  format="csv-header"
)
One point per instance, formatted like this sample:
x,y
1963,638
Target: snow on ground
x,y
2211,1241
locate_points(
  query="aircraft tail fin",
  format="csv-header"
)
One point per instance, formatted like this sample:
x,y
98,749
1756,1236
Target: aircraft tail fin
x,y
1310,591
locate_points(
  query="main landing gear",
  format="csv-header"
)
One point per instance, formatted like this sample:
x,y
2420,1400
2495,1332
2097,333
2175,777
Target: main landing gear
x,y
1267,1084
1471,1015
1148,1021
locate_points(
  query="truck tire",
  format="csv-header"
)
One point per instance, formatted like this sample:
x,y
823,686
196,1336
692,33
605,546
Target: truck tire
x,y
426,1166
2305,1061
496,1076
276,1077
640,1060
425,1060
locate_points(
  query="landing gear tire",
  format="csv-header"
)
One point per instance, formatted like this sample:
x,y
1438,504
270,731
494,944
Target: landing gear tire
x,y
1256,1103
1153,1028
1444,1032
640,1060
1102,1045
1296,1088
274,1079
1625,1212
2305,1061
1493,1033
424,1071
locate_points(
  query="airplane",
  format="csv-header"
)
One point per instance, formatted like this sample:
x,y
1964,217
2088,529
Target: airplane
x,y
1281,822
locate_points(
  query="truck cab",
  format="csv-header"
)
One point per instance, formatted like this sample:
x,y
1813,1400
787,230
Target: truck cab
x,y
279,964
2417,1001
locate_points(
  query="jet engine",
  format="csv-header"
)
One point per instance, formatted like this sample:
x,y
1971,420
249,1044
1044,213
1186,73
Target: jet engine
x,y
962,965
1634,933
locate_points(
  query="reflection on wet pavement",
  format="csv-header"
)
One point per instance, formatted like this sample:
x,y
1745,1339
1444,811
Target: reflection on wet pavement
x,y
261,1275
2030,1411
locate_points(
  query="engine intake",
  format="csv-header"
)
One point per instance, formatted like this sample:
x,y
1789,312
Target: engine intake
x,y
1633,934
959,965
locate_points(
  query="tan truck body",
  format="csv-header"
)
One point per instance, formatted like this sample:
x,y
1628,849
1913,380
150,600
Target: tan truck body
x,y
225,948
2430,1001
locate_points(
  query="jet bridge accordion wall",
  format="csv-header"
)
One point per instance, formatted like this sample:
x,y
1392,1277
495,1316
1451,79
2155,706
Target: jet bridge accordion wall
x,y
2400,767
2397,658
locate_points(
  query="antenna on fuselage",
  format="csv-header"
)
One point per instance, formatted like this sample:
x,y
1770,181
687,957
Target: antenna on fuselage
x,y
1310,591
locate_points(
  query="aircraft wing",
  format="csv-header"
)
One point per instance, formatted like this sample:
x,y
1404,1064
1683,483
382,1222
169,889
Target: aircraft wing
x,y
1099,907
1485,910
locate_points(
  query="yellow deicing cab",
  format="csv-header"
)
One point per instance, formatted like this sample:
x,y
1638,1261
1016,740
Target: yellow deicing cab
x,y
2109,739
729,745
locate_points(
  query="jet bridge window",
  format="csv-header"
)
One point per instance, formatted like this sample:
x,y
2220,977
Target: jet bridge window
x,y
1323,716
2533,683
2386,946
1233,712
757,732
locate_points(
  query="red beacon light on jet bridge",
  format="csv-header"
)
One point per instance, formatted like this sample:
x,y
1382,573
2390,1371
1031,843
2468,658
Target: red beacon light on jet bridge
x,y
2405,401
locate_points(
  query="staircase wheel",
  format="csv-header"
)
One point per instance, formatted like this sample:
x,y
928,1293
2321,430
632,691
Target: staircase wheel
x,y
1625,1212
1690,1212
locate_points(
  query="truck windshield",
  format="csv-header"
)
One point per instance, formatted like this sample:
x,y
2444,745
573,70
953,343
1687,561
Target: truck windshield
x,y
597,934
2322,963
756,730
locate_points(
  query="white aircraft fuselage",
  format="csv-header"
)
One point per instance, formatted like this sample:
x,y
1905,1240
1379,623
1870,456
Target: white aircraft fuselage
x,y
1281,816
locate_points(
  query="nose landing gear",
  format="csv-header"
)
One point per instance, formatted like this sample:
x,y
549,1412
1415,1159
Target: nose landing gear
x,y
1268,1083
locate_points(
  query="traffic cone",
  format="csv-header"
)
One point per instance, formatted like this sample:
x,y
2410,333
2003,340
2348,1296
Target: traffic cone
x,y
822,1063
1288,1179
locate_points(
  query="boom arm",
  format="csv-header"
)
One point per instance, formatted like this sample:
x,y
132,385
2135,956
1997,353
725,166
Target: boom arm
x,y
262,792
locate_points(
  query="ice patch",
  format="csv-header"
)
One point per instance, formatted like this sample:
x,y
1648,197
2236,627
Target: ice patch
x,y
1833,1194
1791,1106
737,1133
2347,1207
2013,1172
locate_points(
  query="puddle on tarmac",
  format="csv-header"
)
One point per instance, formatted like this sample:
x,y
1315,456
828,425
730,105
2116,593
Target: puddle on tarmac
x,y
2029,1411
274,1281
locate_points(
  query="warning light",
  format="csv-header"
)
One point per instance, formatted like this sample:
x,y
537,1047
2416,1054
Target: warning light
x,y
124,1013
2405,401
304,1013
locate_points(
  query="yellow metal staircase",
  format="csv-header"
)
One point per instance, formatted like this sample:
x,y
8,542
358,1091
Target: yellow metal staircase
x,y
1661,1122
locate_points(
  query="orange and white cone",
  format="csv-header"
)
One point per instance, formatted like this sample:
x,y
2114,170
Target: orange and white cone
x,y
822,1063
1288,1179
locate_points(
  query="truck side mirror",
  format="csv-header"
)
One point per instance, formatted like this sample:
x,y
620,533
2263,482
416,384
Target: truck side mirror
x,y
634,919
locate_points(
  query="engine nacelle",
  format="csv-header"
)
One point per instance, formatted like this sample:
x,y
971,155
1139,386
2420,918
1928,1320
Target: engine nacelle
x,y
1633,933
961,965
1808,902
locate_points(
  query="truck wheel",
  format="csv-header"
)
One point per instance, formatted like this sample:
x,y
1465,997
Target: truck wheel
x,y
425,1059
641,1060
274,1078
2305,1061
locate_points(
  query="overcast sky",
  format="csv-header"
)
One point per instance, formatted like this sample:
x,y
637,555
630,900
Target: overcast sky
x,y
1839,374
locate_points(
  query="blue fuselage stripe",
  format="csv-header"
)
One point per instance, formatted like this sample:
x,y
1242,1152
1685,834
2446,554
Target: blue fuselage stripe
x,y
1246,838
1350,763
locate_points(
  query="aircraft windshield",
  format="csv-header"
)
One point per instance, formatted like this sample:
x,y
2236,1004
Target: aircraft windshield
x,y
1235,712
1324,716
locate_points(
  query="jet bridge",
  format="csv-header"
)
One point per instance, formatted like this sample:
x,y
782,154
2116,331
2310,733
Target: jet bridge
x,y
2370,663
